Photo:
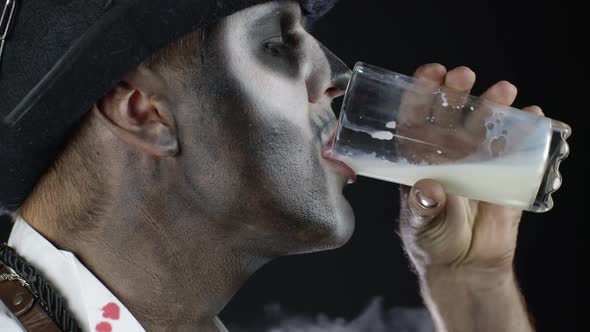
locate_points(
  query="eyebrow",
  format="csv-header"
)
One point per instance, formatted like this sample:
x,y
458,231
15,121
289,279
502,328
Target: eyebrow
x,y
283,15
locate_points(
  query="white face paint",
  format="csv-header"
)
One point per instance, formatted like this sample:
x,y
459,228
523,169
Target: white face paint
x,y
271,117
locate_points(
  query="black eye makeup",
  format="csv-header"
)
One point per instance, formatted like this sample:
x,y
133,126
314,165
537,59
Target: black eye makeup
x,y
278,39
284,44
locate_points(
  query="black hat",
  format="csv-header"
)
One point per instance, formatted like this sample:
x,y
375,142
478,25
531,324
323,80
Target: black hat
x,y
60,56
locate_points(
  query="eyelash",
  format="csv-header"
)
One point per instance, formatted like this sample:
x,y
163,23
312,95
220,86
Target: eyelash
x,y
284,46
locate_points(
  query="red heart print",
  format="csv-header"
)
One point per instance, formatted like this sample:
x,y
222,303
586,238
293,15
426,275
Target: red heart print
x,y
103,327
111,310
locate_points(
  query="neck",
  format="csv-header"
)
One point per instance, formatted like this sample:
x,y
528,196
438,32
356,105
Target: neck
x,y
172,268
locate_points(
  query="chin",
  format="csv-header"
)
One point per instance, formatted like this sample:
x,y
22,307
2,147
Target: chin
x,y
328,233
342,228
308,212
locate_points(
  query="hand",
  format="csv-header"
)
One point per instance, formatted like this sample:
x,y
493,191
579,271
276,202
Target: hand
x,y
447,233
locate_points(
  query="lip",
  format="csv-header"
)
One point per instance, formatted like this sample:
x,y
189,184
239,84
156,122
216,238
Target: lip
x,y
344,168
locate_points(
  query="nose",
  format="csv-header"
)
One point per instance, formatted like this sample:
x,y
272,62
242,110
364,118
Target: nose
x,y
331,79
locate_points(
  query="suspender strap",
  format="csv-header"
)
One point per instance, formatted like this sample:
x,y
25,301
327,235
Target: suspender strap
x,y
27,291
15,294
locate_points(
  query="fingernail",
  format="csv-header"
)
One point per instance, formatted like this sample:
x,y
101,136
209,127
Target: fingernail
x,y
425,201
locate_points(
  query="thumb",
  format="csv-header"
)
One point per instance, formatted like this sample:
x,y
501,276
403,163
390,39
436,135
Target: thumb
x,y
421,215
426,200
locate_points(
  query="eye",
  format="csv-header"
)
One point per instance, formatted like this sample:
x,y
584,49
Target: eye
x,y
280,45
274,45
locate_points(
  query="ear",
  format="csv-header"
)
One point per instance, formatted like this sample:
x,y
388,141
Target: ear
x,y
138,117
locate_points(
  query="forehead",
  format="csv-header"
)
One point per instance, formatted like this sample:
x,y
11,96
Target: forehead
x,y
271,11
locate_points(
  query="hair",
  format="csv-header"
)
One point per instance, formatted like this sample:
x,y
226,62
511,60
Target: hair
x,y
73,192
181,54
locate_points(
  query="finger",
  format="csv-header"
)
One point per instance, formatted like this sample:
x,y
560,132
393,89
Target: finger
x,y
433,225
461,79
421,213
534,109
449,104
416,104
426,201
433,72
503,93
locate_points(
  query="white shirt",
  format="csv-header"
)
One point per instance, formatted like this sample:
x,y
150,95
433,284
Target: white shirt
x,y
93,306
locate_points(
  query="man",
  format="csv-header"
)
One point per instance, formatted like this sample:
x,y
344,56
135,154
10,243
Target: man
x,y
203,163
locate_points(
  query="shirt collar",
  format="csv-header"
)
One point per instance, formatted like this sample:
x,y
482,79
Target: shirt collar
x,y
95,308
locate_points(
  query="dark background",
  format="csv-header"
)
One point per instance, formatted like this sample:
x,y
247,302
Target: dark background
x,y
524,44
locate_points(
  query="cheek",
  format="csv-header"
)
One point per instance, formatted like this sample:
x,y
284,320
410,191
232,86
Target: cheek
x,y
279,146
289,173
281,131
272,140
268,90
271,98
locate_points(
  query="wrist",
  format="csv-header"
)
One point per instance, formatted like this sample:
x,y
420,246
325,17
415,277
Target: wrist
x,y
470,280
466,299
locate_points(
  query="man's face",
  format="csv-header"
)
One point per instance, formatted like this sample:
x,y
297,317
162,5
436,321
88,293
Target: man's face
x,y
252,127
